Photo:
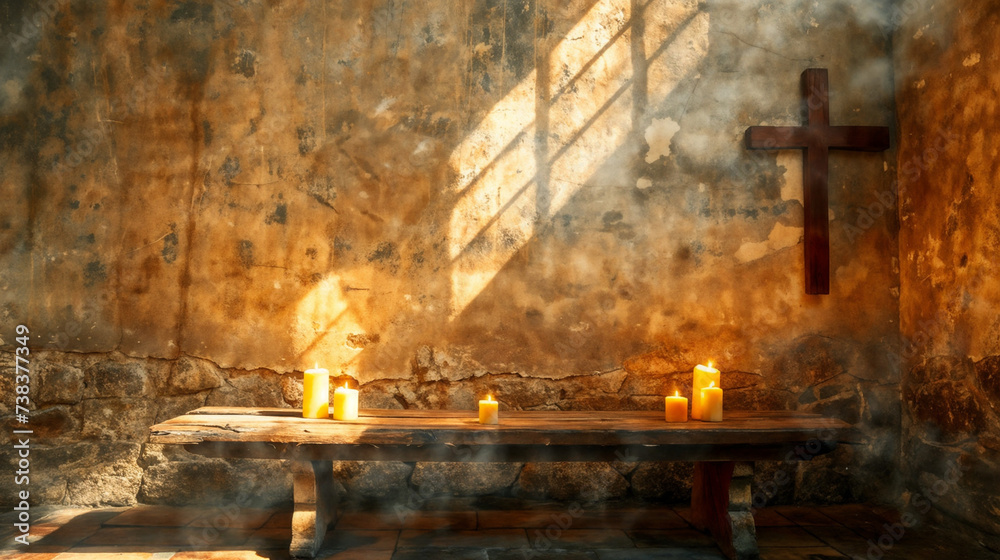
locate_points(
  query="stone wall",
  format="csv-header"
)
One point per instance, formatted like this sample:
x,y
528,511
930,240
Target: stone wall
x,y
547,200
947,77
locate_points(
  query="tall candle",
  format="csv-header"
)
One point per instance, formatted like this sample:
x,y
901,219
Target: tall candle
x,y
489,411
711,403
345,403
703,376
316,393
676,408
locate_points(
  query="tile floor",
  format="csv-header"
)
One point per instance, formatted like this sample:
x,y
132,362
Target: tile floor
x,y
467,530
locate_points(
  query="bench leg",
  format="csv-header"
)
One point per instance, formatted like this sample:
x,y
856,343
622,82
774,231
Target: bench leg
x,y
720,503
315,506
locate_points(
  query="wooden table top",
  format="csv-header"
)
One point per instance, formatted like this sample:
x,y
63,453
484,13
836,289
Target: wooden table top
x,y
377,427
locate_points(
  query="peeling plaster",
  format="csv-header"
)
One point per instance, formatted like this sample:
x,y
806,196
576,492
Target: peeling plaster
x,y
658,135
791,185
781,237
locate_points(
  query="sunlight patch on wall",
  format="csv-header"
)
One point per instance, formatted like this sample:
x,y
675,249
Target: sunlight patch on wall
x,y
587,110
323,322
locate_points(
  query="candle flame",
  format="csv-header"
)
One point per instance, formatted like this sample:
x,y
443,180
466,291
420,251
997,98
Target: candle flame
x,y
345,384
677,393
710,364
316,366
489,398
711,384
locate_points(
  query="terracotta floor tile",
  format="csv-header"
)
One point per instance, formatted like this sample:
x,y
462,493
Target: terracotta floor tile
x,y
671,538
86,553
29,553
769,517
155,516
801,553
660,554
440,554
544,539
485,538
269,537
684,513
280,519
371,520
356,554
198,538
430,520
547,555
843,539
786,537
497,519
857,516
361,539
804,515
233,518
232,555
653,519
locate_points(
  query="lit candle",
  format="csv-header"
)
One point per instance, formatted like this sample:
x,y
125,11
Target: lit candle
x,y
711,403
345,403
703,376
676,408
489,411
316,393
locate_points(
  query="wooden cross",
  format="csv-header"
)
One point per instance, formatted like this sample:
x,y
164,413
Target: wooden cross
x,y
816,138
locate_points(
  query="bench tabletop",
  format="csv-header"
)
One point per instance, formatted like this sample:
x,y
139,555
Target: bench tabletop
x,y
461,427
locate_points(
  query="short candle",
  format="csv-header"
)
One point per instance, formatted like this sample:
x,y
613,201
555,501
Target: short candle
x,y
316,393
703,376
489,411
345,403
676,408
711,403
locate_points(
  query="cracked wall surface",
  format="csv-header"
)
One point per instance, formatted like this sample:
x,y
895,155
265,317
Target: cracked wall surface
x,y
548,200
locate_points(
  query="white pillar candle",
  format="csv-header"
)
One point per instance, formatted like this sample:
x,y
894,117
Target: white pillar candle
x,y
703,376
316,393
489,411
711,403
345,403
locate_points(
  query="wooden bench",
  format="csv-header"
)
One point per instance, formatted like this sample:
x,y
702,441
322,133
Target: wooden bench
x,y
723,452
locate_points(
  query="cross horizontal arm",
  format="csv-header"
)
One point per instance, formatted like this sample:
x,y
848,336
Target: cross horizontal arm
x,y
777,137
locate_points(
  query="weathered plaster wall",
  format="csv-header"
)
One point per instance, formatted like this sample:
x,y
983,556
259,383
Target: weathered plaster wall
x,y
549,200
948,79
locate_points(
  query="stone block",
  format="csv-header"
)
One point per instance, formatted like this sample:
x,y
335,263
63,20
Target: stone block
x,y
240,483
85,474
384,479
190,375
585,482
127,419
60,384
110,378
949,406
988,374
464,479
664,481
170,407
257,388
